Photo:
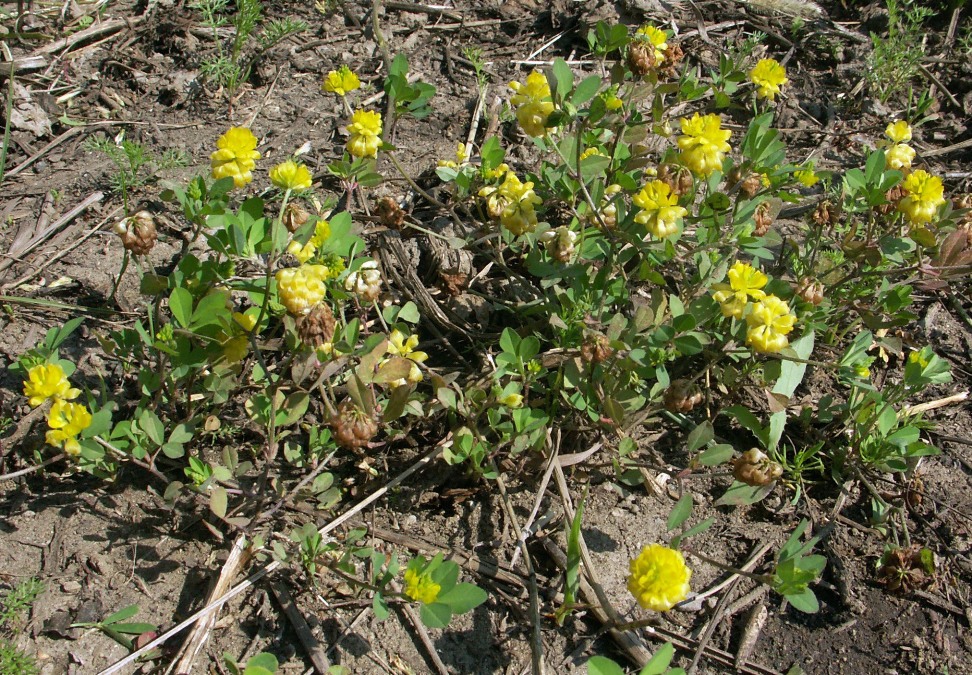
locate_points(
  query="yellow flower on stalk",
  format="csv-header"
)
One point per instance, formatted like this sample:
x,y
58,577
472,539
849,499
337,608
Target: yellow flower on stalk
x,y
66,420
398,345
235,349
290,175
420,587
532,103
236,156
245,321
808,177
768,76
703,143
300,288
462,156
303,253
341,81
658,39
898,132
924,194
512,203
769,322
899,156
660,212
365,130
48,381
745,282
659,578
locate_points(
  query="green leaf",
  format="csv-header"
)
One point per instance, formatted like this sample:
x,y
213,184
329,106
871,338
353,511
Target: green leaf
x,y
121,614
182,433
699,436
740,494
492,153
601,665
572,572
180,304
509,341
805,601
586,90
463,598
380,607
776,425
681,512
660,661
150,423
436,615
698,528
217,501
563,78
716,455
791,372
136,628
409,312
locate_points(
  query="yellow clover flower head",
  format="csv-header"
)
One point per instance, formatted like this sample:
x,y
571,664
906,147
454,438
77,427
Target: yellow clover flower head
x,y
48,381
769,76
236,156
925,193
898,132
420,587
659,578
660,212
899,156
301,288
66,420
512,203
745,282
290,175
769,322
658,39
703,143
365,130
807,176
341,81
398,345
532,103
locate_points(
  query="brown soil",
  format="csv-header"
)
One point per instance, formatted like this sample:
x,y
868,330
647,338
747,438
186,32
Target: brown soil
x,y
99,547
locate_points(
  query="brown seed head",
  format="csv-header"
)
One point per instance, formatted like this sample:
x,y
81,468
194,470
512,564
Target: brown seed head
x,y
596,348
353,428
810,291
763,218
682,396
390,214
317,327
754,468
294,216
641,58
137,232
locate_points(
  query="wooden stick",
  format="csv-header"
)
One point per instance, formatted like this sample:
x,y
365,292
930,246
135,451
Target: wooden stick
x,y
933,405
312,645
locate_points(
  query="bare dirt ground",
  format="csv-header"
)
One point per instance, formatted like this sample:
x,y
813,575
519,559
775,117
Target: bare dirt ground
x,y
101,546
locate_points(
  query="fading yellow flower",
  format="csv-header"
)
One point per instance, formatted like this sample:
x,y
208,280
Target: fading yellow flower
x,y
769,322
703,144
420,587
365,130
66,420
290,175
235,349
658,39
659,578
303,252
398,345
48,381
532,103
512,203
462,156
745,282
236,156
513,400
245,321
365,282
899,156
341,81
768,76
660,212
924,194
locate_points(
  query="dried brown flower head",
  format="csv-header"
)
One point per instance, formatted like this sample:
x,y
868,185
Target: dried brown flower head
x,y
317,327
755,468
682,396
353,428
137,232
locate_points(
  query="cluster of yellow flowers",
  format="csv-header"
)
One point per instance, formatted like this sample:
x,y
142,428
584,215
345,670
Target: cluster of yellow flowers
x,y
512,202
399,345
769,77
659,578
236,156
899,154
301,288
660,212
341,81
420,587
924,193
532,103
365,133
322,230
769,319
703,144
47,382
